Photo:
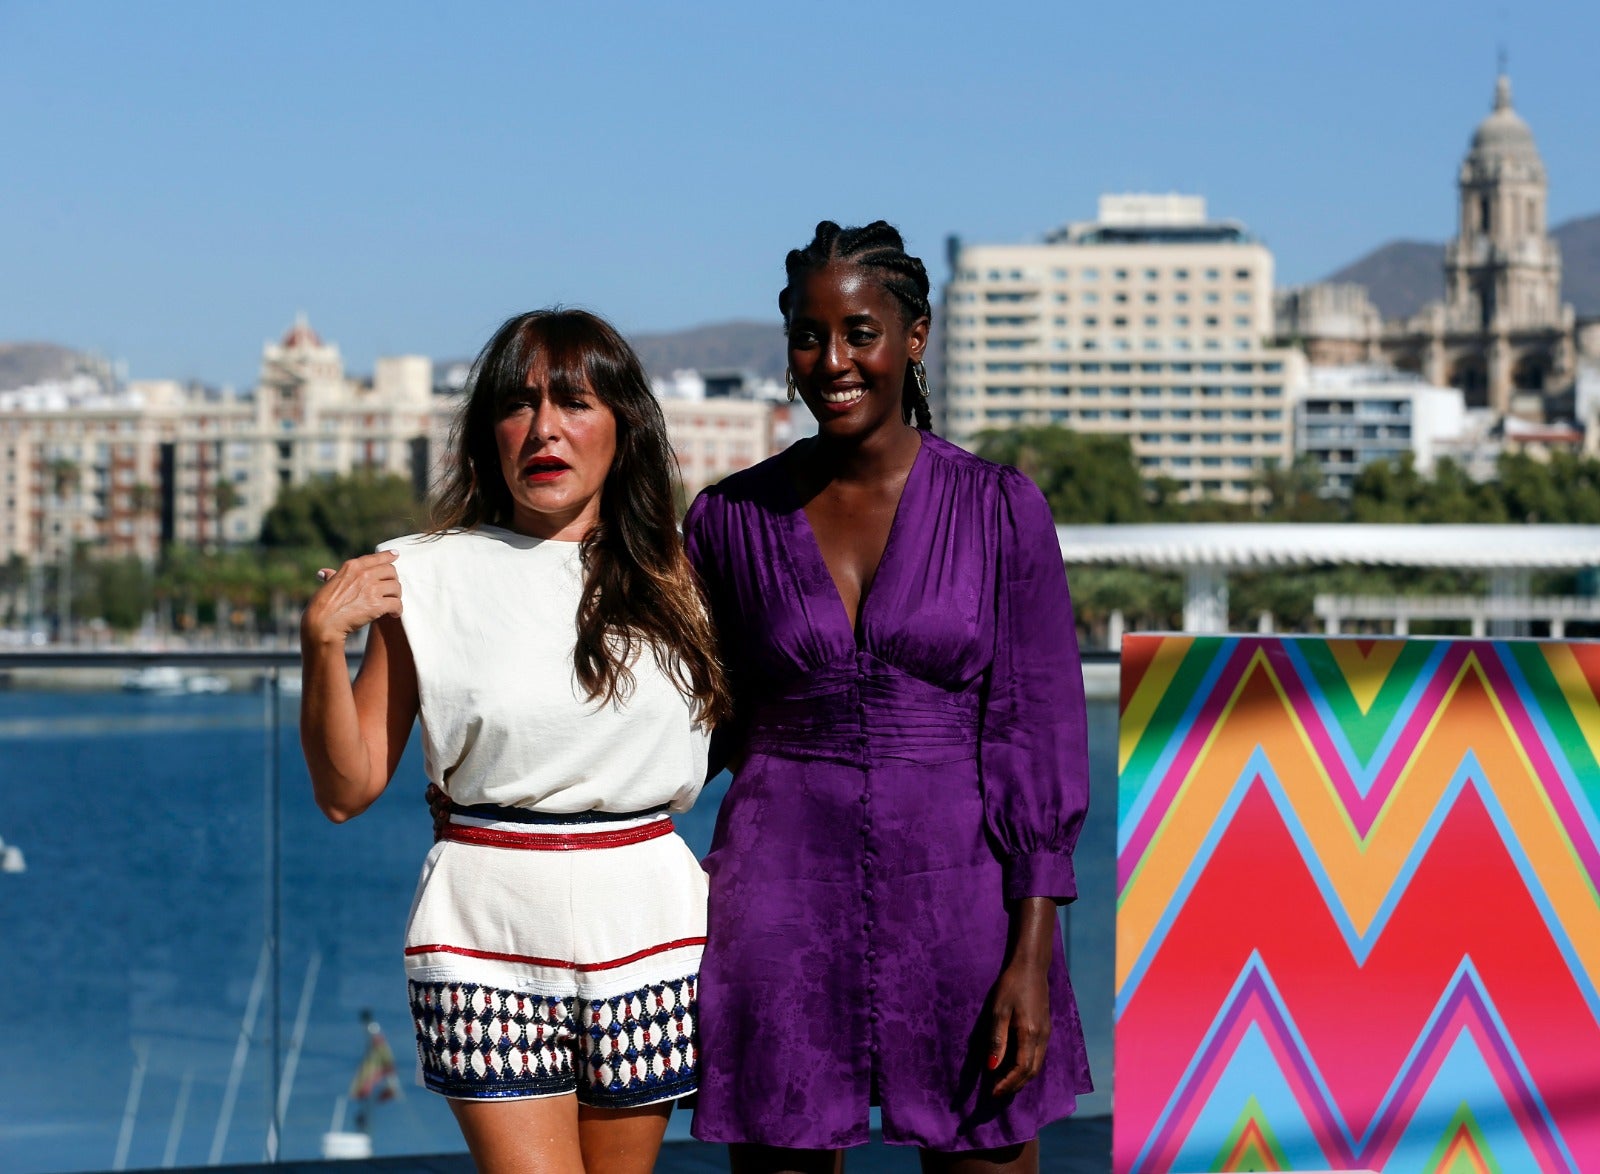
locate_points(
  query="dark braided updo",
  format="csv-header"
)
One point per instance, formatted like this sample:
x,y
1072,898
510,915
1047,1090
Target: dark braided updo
x,y
878,247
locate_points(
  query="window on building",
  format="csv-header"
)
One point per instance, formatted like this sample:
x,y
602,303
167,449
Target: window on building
x,y
1212,275
1120,275
1090,274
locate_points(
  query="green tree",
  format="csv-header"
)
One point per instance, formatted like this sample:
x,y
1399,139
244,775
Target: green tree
x,y
1296,493
116,590
346,516
1086,477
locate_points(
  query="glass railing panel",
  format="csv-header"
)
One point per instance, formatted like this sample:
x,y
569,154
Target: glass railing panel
x,y
138,987
346,892
194,953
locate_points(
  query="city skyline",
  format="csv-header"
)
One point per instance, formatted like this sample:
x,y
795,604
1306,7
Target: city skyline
x,y
185,177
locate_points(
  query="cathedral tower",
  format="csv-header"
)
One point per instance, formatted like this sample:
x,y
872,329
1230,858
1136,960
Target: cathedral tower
x,y
1503,271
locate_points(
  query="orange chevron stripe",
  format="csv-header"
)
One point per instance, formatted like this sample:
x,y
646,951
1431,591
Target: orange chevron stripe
x,y
1363,873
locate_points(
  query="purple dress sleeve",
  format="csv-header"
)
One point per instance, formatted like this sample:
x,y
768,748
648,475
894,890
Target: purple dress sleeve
x,y
1033,742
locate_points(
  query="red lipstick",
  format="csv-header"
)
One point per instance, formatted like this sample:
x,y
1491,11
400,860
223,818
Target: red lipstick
x,y
541,469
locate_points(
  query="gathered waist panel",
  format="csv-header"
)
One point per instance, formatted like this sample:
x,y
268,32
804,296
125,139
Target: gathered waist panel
x,y
869,718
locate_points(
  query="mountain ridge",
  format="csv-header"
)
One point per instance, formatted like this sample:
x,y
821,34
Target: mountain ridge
x,y
1402,276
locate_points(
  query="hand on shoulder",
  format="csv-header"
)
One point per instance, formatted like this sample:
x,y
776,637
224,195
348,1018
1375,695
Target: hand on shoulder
x,y
362,590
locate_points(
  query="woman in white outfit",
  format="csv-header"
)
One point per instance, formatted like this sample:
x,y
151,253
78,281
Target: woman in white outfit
x,y
549,633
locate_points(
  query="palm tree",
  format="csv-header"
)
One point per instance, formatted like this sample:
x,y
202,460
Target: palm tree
x,y
144,500
64,484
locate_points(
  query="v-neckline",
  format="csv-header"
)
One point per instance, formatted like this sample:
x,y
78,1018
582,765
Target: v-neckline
x,y
870,592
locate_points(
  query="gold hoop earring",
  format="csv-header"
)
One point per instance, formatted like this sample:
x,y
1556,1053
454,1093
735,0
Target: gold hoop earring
x,y
788,378
920,374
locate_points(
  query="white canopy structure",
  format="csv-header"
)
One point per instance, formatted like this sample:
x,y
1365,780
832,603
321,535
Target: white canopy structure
x,y
1206,552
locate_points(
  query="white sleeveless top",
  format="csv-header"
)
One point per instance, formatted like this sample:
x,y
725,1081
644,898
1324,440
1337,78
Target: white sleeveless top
x,y
491,618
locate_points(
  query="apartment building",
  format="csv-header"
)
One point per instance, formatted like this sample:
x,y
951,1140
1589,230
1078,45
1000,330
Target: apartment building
x,y
1352,416
130,469
1151,322
720,422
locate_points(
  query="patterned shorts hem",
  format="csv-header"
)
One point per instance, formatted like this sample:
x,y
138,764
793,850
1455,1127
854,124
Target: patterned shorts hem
x,y
477,1090
654,1093
478,1042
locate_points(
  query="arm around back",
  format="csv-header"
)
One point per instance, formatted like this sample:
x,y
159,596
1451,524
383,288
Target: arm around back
x,y
353,734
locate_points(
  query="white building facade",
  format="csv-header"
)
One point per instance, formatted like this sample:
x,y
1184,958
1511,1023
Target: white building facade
x,y
1151,322
132,469
1349,417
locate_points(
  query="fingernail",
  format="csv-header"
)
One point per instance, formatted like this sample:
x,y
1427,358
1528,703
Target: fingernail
x,y
322,576
994,1062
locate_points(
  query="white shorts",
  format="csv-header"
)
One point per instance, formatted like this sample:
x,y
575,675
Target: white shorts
x,y
548,955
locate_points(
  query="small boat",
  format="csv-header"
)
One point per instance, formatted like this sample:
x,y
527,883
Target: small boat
x,y
168,680
11,859
156,678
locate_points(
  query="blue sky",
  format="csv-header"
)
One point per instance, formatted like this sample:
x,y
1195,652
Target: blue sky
x,y
180,178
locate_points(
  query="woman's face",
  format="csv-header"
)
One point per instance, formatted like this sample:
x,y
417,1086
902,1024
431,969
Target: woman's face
x,y
556,450
848,349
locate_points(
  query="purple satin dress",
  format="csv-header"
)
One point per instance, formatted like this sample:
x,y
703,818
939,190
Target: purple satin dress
x,y
895,786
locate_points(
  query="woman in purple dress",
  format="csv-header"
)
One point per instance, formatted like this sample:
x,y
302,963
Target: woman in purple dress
x,y
910,771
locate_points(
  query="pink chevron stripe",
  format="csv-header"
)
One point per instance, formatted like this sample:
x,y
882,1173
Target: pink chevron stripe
x,y
1252,1005
1544,767
1405,747
1183,762
1462,1008
1310,717
1465,1010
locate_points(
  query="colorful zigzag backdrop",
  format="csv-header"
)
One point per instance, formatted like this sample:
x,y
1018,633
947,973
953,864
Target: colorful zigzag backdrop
x,y
1357,921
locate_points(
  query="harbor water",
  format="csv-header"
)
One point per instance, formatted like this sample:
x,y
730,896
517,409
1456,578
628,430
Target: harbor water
x,y
148,1023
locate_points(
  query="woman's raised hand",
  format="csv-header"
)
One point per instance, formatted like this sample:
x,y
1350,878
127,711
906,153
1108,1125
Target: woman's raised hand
x,y
350,598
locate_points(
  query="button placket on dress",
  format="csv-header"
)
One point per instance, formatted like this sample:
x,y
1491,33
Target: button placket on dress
x,y
868,896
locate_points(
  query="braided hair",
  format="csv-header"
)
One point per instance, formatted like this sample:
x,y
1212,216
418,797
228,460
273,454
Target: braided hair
x,y
879,247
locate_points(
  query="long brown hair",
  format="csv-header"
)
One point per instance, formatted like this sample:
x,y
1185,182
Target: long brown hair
x,y
638,587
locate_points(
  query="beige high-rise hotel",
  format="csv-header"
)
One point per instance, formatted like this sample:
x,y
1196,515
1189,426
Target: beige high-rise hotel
x,y
1151,322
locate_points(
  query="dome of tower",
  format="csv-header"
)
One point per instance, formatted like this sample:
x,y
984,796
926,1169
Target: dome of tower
x,y
1503,135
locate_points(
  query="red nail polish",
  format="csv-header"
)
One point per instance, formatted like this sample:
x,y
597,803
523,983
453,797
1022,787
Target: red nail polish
x,y
994,1062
